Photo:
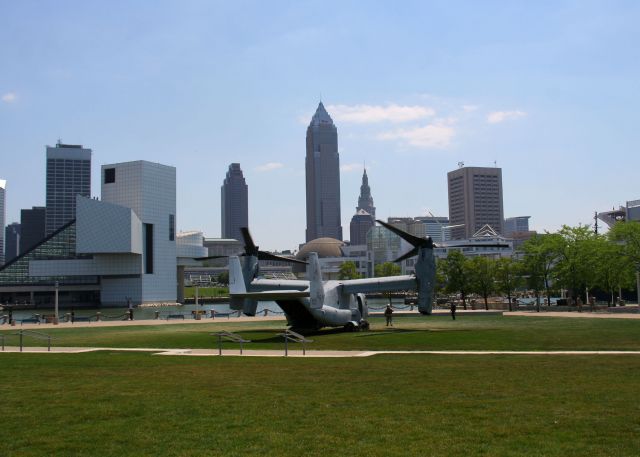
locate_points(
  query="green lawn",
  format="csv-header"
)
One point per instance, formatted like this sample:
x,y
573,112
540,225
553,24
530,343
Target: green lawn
x,y
190,292
409,333
137,404
122,404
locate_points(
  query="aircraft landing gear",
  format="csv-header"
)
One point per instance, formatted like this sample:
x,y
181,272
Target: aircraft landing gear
x,y
364,325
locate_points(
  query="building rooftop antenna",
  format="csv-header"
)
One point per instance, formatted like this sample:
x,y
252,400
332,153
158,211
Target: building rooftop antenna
x,y
460,164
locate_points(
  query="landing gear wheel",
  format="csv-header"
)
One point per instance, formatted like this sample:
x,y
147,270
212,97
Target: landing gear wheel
x,y
349,327
364,325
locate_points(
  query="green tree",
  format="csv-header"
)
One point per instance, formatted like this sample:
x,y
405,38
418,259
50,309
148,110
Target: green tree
x,y
457,272
614,270
223,278
575,269
482,277
628,233
348,270
541,253
508,277
387,269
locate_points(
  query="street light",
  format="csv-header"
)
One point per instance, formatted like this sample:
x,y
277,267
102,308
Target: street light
x,y
56,302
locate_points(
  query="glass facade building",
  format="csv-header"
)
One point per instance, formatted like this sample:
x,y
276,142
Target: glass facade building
x,y
68,175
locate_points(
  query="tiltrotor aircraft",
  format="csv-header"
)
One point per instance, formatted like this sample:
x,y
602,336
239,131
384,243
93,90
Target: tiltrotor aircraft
x,y
313,303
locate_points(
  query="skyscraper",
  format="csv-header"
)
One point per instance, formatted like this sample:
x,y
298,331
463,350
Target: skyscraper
x,y
11,241
475,199
3,187
365,215
68,175
31,227
516,224
234,205
322,165
365,200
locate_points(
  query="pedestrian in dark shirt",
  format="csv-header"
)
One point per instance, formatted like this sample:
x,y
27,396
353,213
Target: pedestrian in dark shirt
x,y
388,313
453,311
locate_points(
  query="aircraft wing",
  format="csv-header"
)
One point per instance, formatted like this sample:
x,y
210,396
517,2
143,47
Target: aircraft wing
x,y
259,285
272,295
383,284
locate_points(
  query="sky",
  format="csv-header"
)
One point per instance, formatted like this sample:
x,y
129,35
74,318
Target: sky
x,y
546,90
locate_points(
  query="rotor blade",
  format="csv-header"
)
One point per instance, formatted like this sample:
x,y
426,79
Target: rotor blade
x,y
211,257
411,253
249,246
411,239
268,256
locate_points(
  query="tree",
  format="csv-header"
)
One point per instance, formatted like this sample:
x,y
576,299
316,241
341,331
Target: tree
x,y
628,233
541,253
575,268
614,270
348,270
223,278
457,273
482,276
507,277
387,269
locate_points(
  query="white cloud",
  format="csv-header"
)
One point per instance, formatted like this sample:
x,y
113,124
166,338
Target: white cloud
x,y
433,136
500,116
269,166
367,114
348,167
9,97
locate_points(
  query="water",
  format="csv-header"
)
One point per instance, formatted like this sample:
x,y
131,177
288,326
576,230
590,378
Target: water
x,y
141,313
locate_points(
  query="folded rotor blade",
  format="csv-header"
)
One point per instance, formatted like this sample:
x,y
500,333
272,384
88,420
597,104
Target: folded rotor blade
x,y
268,256
249,246
409,254
411,239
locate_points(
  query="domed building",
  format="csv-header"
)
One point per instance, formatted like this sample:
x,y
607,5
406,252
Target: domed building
x,y
332,253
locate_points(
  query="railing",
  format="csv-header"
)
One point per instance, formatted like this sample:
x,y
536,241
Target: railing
x,y
229,337
31,333
290,335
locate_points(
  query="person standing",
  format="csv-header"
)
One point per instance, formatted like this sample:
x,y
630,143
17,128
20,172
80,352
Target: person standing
x,y
388,314
453,311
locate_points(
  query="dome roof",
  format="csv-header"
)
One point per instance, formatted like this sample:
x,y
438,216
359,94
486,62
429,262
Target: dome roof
x,y
325,247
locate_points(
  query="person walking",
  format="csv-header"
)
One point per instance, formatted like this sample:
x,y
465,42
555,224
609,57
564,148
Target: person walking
x,y
388,314
453,311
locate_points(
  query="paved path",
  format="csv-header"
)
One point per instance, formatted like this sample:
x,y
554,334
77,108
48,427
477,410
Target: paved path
x,y
294,353
584,314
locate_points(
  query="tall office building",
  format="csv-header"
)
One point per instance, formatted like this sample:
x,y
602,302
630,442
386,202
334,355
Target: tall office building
x,y
322,164
68,175
516,224
365,200
234,205
475,200
32,228
3,188
11,241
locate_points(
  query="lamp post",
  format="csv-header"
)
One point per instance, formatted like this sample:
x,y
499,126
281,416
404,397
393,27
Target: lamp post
x,y
56,301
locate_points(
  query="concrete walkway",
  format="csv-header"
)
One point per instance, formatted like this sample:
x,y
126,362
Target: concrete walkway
x,y
293,353
584,314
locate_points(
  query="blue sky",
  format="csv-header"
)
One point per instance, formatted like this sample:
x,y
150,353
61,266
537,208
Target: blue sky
x,y
549,90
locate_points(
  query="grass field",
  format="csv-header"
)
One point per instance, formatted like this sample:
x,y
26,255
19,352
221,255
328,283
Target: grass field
x,y
124,404
190,292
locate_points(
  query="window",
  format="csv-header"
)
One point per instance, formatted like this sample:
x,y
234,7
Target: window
x,y
109,175
172,227
147,248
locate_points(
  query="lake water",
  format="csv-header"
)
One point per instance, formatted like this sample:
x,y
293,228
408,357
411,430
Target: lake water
x,y
144,312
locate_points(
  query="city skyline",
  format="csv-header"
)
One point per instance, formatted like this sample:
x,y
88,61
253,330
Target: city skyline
x,y
415,90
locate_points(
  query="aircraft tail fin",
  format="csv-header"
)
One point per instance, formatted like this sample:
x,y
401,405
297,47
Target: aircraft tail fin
x,y
236,283
314,274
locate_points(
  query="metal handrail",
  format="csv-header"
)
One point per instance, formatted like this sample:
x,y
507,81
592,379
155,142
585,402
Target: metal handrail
x,y
230,337
296,338
33,334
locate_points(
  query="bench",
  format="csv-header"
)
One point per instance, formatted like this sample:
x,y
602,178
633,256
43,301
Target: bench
x,y
81,319
30,320
175,316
